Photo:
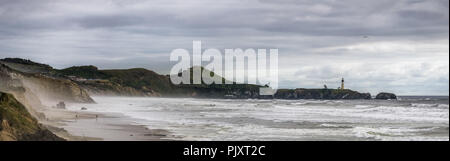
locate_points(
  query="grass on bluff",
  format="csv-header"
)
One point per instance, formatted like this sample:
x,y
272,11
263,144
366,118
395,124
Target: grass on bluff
x,y
138,78
26,66
143,79
16,114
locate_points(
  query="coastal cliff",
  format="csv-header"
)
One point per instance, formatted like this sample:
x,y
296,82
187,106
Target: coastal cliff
x,y
22,108
35,90
30,84
16,123
130,82
143,82
56,89
49,88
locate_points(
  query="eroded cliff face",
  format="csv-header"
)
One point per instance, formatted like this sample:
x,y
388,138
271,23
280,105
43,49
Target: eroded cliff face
x,y
17,124
10,84
41,87
37,92
51,89
19,110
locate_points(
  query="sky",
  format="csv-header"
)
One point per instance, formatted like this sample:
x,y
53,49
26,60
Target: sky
x,y
399,46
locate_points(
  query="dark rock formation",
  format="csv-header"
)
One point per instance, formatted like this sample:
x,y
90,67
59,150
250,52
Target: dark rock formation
x,y
320,94
386,96
61,105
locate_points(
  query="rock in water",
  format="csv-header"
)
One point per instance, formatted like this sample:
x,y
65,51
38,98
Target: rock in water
x,y
302,93
386,96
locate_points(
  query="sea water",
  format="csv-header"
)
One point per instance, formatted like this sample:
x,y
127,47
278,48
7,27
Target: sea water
x,y
409,118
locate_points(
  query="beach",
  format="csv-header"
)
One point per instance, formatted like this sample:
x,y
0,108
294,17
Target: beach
x,y
150,119
93,126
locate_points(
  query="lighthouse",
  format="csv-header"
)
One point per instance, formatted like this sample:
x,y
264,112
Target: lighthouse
x,y
342,83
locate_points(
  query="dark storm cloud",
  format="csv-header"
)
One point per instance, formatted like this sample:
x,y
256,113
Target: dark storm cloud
x,y
138,33
323,17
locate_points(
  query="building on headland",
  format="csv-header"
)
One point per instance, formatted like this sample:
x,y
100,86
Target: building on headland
x,y
342,84
80,79
75,78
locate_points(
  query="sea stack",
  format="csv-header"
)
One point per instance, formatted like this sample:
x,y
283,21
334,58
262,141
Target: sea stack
x,y
386,96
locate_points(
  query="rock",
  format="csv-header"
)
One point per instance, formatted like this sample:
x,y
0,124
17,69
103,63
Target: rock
x,y
386,96
83,108
61,105
329,94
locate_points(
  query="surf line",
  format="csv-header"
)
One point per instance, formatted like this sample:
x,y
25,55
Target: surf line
x,y
194,151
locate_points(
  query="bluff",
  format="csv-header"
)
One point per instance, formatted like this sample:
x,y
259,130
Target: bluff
x,y
21,76
143,82
16,124
129,82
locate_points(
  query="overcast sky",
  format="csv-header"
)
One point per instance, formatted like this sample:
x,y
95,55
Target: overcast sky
x,y
399,46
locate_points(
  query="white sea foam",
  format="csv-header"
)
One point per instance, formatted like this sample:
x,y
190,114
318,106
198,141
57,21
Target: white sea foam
x,y
363,106
221,119
394,134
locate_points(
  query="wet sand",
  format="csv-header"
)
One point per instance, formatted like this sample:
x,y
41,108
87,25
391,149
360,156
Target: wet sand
x,y
90,126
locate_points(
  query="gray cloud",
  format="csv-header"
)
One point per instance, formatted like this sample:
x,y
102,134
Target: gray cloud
x,y
319,41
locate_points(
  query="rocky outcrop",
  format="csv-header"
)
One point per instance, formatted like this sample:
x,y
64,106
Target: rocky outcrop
x,y
327,94
320,94
16,123
386,96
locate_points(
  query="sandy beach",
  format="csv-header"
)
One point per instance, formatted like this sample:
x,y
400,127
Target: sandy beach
x,y
190,119
92,126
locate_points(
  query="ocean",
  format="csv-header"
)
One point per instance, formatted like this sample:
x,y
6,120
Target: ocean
x,y
409,118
